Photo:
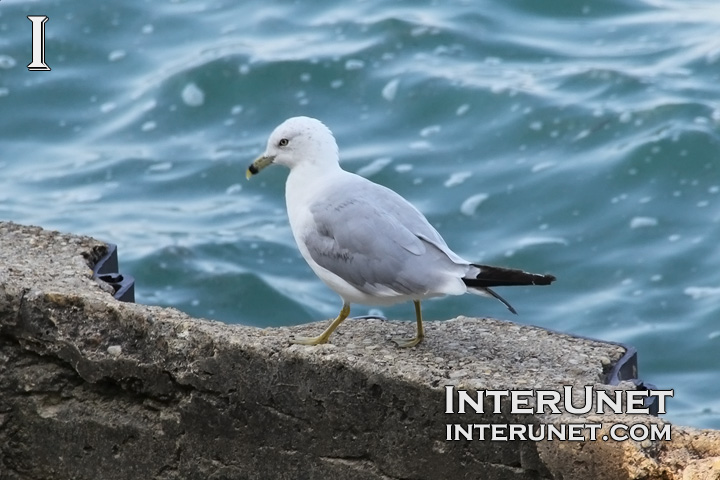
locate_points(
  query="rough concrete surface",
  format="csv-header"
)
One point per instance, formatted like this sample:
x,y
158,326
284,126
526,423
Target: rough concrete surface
x,y
92,388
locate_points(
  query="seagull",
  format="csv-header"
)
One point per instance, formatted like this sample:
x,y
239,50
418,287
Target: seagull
x,y
364,241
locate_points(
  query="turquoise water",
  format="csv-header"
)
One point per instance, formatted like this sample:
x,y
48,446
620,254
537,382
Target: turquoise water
x,y
577,138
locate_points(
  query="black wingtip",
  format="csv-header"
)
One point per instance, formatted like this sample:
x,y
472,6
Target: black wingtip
x,y
546,279
490,276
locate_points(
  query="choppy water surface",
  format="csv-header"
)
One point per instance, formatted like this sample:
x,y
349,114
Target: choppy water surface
x,y
578,138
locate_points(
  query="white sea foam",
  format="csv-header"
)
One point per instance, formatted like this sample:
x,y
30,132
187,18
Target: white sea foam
x,y
457,178
192,95
389,91
354,64
532,241
374,167
471,204
462,109
542,166
642,222
116,55
696,293
431,130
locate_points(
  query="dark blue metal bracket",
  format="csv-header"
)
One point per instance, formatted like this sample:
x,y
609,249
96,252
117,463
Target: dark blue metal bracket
x,y
626,369
107,270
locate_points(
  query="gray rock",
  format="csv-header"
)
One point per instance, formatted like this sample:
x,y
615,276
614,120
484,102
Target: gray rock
x,y
92,388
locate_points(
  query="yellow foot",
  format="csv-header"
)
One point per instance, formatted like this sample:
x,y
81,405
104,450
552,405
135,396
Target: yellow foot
x,y
407,342
309,340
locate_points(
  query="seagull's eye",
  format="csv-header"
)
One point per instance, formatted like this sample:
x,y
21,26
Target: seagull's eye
x,y
283,142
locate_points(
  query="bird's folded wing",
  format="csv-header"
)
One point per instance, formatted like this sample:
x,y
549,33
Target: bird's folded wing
x,y
364,246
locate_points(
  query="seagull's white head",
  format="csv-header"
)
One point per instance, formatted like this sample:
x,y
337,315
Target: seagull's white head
x,y
296,141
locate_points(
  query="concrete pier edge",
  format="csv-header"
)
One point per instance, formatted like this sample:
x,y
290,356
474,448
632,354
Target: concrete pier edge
x,y
91,387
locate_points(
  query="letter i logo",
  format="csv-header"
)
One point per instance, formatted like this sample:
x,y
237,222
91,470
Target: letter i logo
x,y
38,43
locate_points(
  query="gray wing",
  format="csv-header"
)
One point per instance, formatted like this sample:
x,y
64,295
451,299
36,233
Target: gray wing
x,y
374,239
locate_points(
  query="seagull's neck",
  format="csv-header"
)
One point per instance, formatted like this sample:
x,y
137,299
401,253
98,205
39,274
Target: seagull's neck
x,y
305,180
304,185
307,173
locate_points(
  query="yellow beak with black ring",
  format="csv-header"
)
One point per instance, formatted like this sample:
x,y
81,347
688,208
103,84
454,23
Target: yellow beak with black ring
x,y
257,165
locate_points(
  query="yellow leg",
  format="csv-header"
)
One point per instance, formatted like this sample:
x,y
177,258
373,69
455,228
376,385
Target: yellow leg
x,y
324,336
411,342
